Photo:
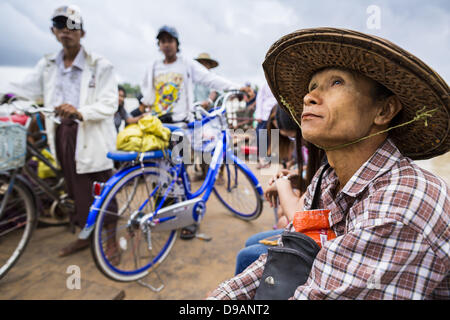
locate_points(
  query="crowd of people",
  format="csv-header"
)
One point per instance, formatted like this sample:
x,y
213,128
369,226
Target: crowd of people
x,y
348,131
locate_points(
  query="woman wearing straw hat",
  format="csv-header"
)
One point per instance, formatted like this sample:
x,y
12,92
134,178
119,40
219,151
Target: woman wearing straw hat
x,y
206,96
373,108
202,93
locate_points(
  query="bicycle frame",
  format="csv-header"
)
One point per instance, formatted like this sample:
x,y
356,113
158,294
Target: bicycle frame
x,y
44,186
39,186
197,199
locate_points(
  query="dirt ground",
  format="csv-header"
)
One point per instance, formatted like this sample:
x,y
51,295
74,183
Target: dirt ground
x,y
192,269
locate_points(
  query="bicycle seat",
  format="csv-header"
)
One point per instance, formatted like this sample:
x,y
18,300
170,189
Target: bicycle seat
x,y
126,156
175,126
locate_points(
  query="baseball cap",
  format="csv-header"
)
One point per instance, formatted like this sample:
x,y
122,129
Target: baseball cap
x,y
71,13
167,29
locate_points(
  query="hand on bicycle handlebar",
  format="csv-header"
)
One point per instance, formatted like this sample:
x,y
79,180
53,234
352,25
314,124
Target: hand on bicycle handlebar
x,y
68,111
249,93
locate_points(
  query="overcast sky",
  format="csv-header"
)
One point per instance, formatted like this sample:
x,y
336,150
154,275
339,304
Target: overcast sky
x,y
237,33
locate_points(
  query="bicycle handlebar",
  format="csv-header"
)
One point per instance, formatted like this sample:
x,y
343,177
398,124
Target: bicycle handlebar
x,y
32,109
225,97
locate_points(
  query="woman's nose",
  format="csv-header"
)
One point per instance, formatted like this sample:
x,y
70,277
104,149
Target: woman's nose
x,y
311,99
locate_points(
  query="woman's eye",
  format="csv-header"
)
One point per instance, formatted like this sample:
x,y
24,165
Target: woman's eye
x,y
337,82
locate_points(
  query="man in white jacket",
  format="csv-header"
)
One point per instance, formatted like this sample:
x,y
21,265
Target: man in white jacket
x,y
82,87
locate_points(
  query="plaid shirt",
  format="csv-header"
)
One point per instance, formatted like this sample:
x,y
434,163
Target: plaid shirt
x,y
392,222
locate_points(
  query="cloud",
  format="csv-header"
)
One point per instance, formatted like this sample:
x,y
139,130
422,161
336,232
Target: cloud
x,y
237,33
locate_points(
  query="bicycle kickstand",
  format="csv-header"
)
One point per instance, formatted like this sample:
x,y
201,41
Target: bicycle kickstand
x,y
149,286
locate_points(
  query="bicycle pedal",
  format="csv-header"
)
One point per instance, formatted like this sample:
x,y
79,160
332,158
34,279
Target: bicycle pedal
x,y
203,237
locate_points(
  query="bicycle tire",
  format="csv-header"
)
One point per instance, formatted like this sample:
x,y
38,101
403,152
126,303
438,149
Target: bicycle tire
x,y
163,242
233,190
11,224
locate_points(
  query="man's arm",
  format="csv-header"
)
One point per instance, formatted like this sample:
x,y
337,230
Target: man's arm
x,y
202,75
243,286
31,87
147,87
382,260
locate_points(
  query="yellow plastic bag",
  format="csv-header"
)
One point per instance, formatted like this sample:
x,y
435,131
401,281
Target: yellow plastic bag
x,y
148,134
130,138
152,125
44,171
131,144
151,143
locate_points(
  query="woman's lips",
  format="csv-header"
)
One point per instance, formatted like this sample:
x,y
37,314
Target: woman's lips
x,y
308,115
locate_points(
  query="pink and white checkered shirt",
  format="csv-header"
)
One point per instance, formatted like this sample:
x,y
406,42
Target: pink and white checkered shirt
x,y
392,221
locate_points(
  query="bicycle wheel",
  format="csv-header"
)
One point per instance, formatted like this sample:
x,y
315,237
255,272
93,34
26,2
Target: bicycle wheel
x,y
140,251
238,193
51,213
17,222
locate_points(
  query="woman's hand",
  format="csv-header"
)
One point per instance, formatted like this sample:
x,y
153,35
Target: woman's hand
x,y
271,196
283,172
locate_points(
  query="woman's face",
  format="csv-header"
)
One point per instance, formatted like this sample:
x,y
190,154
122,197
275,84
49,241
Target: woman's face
x,y
339,108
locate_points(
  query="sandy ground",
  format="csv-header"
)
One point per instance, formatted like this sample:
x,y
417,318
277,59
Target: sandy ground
x,y
191,270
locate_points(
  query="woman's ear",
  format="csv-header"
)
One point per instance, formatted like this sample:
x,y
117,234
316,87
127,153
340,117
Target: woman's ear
x,y
388,109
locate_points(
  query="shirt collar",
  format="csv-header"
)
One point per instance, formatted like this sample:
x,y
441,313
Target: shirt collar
x,y
78,62
381,161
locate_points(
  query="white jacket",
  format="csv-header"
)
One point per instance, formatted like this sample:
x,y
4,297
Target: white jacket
x,y
98,104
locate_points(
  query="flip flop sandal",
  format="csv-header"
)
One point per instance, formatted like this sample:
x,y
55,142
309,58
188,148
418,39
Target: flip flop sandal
x,y
263,165
73,248
188,233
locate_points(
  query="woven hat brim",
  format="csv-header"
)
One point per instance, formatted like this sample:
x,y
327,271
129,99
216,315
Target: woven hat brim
x,y
213,62
292,60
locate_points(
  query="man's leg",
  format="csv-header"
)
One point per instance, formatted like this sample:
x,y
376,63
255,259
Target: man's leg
x,y
79,185
253,249
65,143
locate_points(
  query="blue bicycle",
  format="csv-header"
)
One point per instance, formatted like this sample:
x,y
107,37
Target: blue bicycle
x,y
141,209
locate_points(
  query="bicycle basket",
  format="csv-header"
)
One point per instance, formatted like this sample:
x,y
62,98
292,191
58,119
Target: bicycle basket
x,y
13,146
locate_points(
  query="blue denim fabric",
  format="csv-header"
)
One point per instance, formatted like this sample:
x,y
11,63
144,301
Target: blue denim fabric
x,y
253,249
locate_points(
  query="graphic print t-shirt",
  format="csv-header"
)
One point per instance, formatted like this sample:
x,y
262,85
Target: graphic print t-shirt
x,y
170,95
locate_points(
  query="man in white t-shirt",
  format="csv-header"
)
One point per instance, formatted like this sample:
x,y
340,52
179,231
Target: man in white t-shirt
x,y
168,85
